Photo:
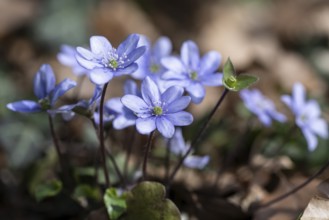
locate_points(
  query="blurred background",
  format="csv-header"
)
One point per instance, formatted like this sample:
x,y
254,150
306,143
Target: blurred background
x,y
281,41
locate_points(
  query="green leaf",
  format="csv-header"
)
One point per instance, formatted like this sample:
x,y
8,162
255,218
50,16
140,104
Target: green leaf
x,y
244,81
48,189
229,69
147,201
86,191
115,204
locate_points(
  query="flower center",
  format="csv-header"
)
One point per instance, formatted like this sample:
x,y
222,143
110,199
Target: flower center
x,y
44,103
154,68
194,75
157,110
113,63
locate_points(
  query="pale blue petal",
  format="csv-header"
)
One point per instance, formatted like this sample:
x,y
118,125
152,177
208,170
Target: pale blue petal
x,y
286,99
122,122
174,64
100,76
311,109
127,70
210,63
171,94
311,139
265,119
179,104
134,55
196,162
60,89
67,56
44,81
320,127
165,127
144,41
84,53
135,104
162,48
211,79
278,116
97,95
145,125
180,118
130,87
299,96
114,104
88,64
128,45
196,91
106,117
100,45
173,75
24,106
150,92
190,54
177,143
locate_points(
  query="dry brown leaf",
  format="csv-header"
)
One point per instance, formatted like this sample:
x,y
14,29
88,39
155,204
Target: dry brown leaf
x,y
317,209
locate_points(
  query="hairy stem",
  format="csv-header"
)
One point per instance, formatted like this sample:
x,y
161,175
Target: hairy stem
x,y
198,136
62,161
101,136
115,165
146,154
129,146
167,159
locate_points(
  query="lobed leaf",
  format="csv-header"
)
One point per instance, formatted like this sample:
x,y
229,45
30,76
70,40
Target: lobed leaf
x,y
48,189
147,201
115,204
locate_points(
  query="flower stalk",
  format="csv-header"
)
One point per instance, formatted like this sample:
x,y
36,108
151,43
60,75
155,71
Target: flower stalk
x,y
101,136
146,154
198,136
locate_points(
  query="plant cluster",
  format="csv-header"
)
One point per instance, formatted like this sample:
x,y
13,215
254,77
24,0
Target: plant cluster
x,y
169,83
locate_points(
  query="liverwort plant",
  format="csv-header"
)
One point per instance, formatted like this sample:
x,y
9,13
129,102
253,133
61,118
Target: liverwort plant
x,y
307,115
261,106
158,111
45,90
193,72
239,84
104,61
161,111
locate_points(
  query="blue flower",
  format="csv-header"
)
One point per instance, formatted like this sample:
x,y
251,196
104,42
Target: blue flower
x,y
45,90
150,63
261,106
191,72
122,116
161,111
179,148
104,61
67,57
82,107
307,115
